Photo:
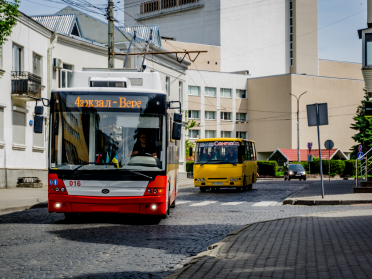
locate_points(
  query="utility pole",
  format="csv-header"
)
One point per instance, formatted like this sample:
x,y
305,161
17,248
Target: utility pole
x,y
298,125
111,50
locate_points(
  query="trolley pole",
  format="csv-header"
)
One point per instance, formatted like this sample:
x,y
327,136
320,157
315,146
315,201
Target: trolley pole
x,y
298,125
111,50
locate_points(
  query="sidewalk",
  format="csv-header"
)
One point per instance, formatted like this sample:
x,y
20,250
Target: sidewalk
x,y
335,192
328,245
16,199
187,182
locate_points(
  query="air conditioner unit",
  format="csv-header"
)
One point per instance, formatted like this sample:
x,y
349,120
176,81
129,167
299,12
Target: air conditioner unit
x,y
57,63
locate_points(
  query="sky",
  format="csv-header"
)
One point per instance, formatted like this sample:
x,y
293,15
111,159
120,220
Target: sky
x,y
338,23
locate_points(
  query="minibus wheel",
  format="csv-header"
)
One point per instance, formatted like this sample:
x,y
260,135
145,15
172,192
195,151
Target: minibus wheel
x,y
202,189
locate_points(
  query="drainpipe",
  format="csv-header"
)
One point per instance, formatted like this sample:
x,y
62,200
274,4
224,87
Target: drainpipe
x,y
49,90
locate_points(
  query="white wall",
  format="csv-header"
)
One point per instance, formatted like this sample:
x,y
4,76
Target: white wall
x,y
255,37
199,25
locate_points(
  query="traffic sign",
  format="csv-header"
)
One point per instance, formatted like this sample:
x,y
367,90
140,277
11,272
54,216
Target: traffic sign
x,y
360,148
360,156
309,158
329,144
309,146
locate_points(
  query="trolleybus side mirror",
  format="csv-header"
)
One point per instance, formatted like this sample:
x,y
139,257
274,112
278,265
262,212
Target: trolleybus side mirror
x,y
190,151
38,119
177,117
176,131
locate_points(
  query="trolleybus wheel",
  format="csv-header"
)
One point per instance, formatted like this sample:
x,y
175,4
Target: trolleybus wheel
x,y
202,189
70,216
166,215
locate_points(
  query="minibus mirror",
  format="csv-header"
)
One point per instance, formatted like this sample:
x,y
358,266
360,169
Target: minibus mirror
x,y
176,131
39,110
177,117
38,124
190,151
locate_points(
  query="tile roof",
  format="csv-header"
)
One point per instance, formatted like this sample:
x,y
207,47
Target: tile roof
x,y
291,154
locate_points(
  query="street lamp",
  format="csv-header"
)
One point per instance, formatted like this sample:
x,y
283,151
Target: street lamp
x,y
298,125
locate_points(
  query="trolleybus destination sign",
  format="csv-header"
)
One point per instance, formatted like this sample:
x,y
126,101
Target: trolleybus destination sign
x,y
113,101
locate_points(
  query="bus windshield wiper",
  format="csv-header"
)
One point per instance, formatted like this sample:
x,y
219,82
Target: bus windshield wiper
x,y
140,174
84,164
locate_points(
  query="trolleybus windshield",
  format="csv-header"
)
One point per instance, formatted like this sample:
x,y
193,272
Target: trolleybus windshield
x,y
107,131
218,152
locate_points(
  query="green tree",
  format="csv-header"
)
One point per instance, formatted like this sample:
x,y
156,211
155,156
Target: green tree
x,y
8,18
188,143
363,126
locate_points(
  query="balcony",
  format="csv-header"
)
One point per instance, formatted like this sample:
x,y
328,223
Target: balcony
x,y
155,8
26,86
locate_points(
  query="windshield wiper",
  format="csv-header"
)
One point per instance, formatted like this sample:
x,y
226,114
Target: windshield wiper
x,y
140,174
84,164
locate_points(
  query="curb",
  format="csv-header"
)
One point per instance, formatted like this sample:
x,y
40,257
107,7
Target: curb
x,y
23,207
324,202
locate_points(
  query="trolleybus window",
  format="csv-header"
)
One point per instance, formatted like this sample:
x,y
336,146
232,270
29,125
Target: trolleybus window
x,y
110,132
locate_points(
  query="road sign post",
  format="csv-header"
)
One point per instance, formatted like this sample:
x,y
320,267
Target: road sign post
x,y
329,145
317,114
309,146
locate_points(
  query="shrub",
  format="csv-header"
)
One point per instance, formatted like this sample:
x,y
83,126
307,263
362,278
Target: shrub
x,y
190,166
337,166
349,167
267,167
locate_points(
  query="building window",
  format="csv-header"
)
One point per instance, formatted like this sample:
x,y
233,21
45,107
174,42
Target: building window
x,y
226,93
65,76
241,93
167,85
241,117
193,134
210,115
210,134
225,134
225,115
241,135
194,114
17,58
1,124
36,62
38,140
194,90
368,49
180,91
210,92
19,127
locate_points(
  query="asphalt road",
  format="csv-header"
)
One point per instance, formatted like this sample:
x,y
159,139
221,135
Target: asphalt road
x,y
36,244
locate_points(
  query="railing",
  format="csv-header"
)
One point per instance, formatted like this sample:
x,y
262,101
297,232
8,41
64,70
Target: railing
x,y
25,85
157,5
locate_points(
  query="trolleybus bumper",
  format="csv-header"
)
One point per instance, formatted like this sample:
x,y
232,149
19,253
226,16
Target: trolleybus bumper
x,y
131,205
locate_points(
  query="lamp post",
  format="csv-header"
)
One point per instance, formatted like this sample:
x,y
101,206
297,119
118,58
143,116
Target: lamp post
x,y
298,124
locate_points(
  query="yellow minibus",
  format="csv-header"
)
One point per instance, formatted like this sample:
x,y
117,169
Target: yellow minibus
x,y
225,162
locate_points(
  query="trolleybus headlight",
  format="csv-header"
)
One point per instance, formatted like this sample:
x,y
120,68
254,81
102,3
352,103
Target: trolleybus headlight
x,y
58,205
51,189
149,191
154,206
155,191
236,179
62,189
198,179
56,188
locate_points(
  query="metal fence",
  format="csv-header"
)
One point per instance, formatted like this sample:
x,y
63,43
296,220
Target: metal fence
x,y
25,84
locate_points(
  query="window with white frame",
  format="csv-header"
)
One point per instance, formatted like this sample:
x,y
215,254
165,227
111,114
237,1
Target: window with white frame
x,y
193,134
194,114
210,115
225,134
194,90
36,65
1,124
180,91
210,134
241,117
241,93
226,93
17,58
225,115
241,135
65,76
19,127
210,91
167,85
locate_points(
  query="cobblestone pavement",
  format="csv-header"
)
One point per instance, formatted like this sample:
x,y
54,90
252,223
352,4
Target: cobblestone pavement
x,y
326,245
330,188
36,244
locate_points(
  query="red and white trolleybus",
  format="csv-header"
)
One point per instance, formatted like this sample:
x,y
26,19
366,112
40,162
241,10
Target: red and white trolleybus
x,y
113,145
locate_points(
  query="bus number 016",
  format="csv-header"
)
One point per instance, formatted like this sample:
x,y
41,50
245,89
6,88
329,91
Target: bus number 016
x,y
75,183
